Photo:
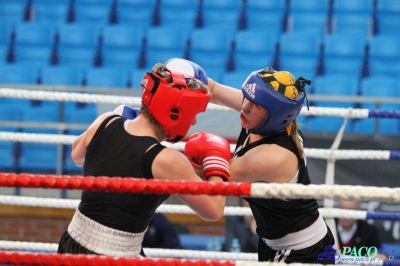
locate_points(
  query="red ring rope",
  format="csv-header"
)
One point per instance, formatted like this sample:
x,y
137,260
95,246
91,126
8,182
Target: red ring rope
x,y
26,258
133,185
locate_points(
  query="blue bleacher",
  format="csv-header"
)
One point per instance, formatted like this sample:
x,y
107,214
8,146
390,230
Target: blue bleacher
x,y
51,11
138,13
122,46
14,11
332,84
315,22
164,42
388,54
254,49
265,15
188,13
212,54
379,86
78,44
107,77
34,43
97,12
344,53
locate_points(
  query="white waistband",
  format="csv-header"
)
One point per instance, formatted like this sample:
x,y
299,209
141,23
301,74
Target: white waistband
x,y
301,239
104,240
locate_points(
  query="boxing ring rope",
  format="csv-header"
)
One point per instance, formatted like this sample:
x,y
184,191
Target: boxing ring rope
x,y
327,192
183,209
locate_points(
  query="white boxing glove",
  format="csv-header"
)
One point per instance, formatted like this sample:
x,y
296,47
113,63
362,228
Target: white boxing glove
x,y
188,68
127,112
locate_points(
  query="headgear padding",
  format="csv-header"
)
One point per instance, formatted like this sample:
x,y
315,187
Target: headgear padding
x,y
173,106
279,93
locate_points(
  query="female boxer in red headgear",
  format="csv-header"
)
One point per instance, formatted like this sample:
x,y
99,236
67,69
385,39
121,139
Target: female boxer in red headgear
x,y
113,223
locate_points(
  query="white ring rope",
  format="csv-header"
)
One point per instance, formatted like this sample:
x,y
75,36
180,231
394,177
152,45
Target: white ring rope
x,y
165,208
136,101
311,152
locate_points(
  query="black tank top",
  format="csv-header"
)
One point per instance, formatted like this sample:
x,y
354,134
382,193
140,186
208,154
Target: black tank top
x,y
276,218
113,152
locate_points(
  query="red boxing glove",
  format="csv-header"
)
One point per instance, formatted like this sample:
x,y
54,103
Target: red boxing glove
x,y
211,152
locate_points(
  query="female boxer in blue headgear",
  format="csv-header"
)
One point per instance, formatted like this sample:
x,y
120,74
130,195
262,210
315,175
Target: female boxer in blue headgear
x,y
270,149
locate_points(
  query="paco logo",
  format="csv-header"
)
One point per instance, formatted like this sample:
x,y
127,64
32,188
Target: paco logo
x,y
250,89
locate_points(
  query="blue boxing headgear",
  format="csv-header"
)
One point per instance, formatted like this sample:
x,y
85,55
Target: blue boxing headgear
x,y
279,93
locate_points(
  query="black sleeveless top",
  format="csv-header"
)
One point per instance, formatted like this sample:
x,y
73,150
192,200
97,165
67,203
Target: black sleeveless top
x,y
276,218
115,153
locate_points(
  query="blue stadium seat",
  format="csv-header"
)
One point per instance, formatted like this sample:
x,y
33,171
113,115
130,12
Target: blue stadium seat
x,y
384,48
332,84
136,77
233,6
388,24
13,11
314,22
34,43
78,44
187,11
309,6
268,14
19,74
388,68
6,31
164,43
138,13
7,156
379,86
29,159
97,12
254,49
358,24
122,45
59,75
51,11
212,19
107,77
210,48
344,53
235,79
299,48
353,7
388,7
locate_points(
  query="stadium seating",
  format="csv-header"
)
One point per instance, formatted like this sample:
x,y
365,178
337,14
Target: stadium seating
x,y
138,13
97,12
51,11
78,45
19,74
165,42
59,75
344,53
309,7
299,51
314,22
265,15
212,54
254,49
122,46
14,11
379,86
389,53
107,77
188,13
353,7
34,43
332,84
235,79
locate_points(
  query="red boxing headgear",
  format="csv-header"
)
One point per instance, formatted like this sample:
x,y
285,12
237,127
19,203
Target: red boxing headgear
x,y
174,107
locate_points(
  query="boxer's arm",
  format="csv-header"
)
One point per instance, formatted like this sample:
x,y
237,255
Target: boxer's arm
x,y
225,95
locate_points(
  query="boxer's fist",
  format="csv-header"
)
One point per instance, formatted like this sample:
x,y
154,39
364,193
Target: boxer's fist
x,y
188,68
211,152
127,112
